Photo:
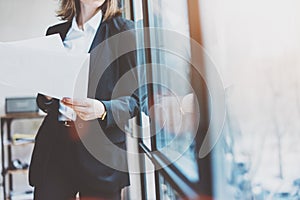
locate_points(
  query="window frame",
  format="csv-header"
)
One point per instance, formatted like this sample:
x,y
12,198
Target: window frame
x,y
177,180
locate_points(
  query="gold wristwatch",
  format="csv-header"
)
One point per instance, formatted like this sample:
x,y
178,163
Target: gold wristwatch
x,y
103,115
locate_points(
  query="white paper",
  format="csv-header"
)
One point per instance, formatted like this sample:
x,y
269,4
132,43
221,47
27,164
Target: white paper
x,y
46,68
51,42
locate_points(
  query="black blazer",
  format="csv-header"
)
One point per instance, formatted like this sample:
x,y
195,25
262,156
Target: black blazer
x,y
53,139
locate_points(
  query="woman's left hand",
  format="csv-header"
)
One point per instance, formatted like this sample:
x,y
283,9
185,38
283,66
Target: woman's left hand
x,y
87,109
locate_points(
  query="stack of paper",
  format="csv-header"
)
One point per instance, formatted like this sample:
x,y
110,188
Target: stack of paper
x,y
42,65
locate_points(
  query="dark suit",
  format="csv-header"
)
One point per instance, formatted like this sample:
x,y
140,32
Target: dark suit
x,y
59,152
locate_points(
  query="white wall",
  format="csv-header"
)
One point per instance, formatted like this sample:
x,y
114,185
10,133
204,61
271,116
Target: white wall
x,y
23,19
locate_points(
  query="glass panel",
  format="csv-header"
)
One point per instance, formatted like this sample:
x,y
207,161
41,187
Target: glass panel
x,y
166,190
173,110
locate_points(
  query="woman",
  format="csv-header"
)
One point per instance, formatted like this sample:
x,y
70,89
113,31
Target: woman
x,y
61,166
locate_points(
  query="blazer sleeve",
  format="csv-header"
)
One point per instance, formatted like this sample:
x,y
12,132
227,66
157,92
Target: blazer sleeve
x,y
123,108
120,110
48,106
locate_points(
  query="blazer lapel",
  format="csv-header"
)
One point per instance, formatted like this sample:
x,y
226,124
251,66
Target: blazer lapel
x,y
63,30
100,35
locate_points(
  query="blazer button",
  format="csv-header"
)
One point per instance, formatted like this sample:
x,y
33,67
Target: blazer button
x,y
80,125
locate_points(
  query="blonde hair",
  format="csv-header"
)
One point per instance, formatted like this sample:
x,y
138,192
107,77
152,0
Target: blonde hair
x,y
69,8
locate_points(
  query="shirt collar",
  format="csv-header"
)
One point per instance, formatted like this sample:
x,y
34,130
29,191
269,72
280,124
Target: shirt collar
x,y
93,23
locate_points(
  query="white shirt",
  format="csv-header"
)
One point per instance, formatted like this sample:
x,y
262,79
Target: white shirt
x,y
79,41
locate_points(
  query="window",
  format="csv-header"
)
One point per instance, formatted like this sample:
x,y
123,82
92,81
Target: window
x,y
173,107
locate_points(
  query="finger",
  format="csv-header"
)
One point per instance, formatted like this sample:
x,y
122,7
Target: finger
x,y
67,104
80,109
85,117
76,102
48,97
81,115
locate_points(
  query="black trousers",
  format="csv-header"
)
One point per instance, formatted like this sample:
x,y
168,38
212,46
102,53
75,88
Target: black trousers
x,y
59,194
59,186
60,182
56,193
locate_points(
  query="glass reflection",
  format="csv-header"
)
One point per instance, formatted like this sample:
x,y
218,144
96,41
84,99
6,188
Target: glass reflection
x,y
174,110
